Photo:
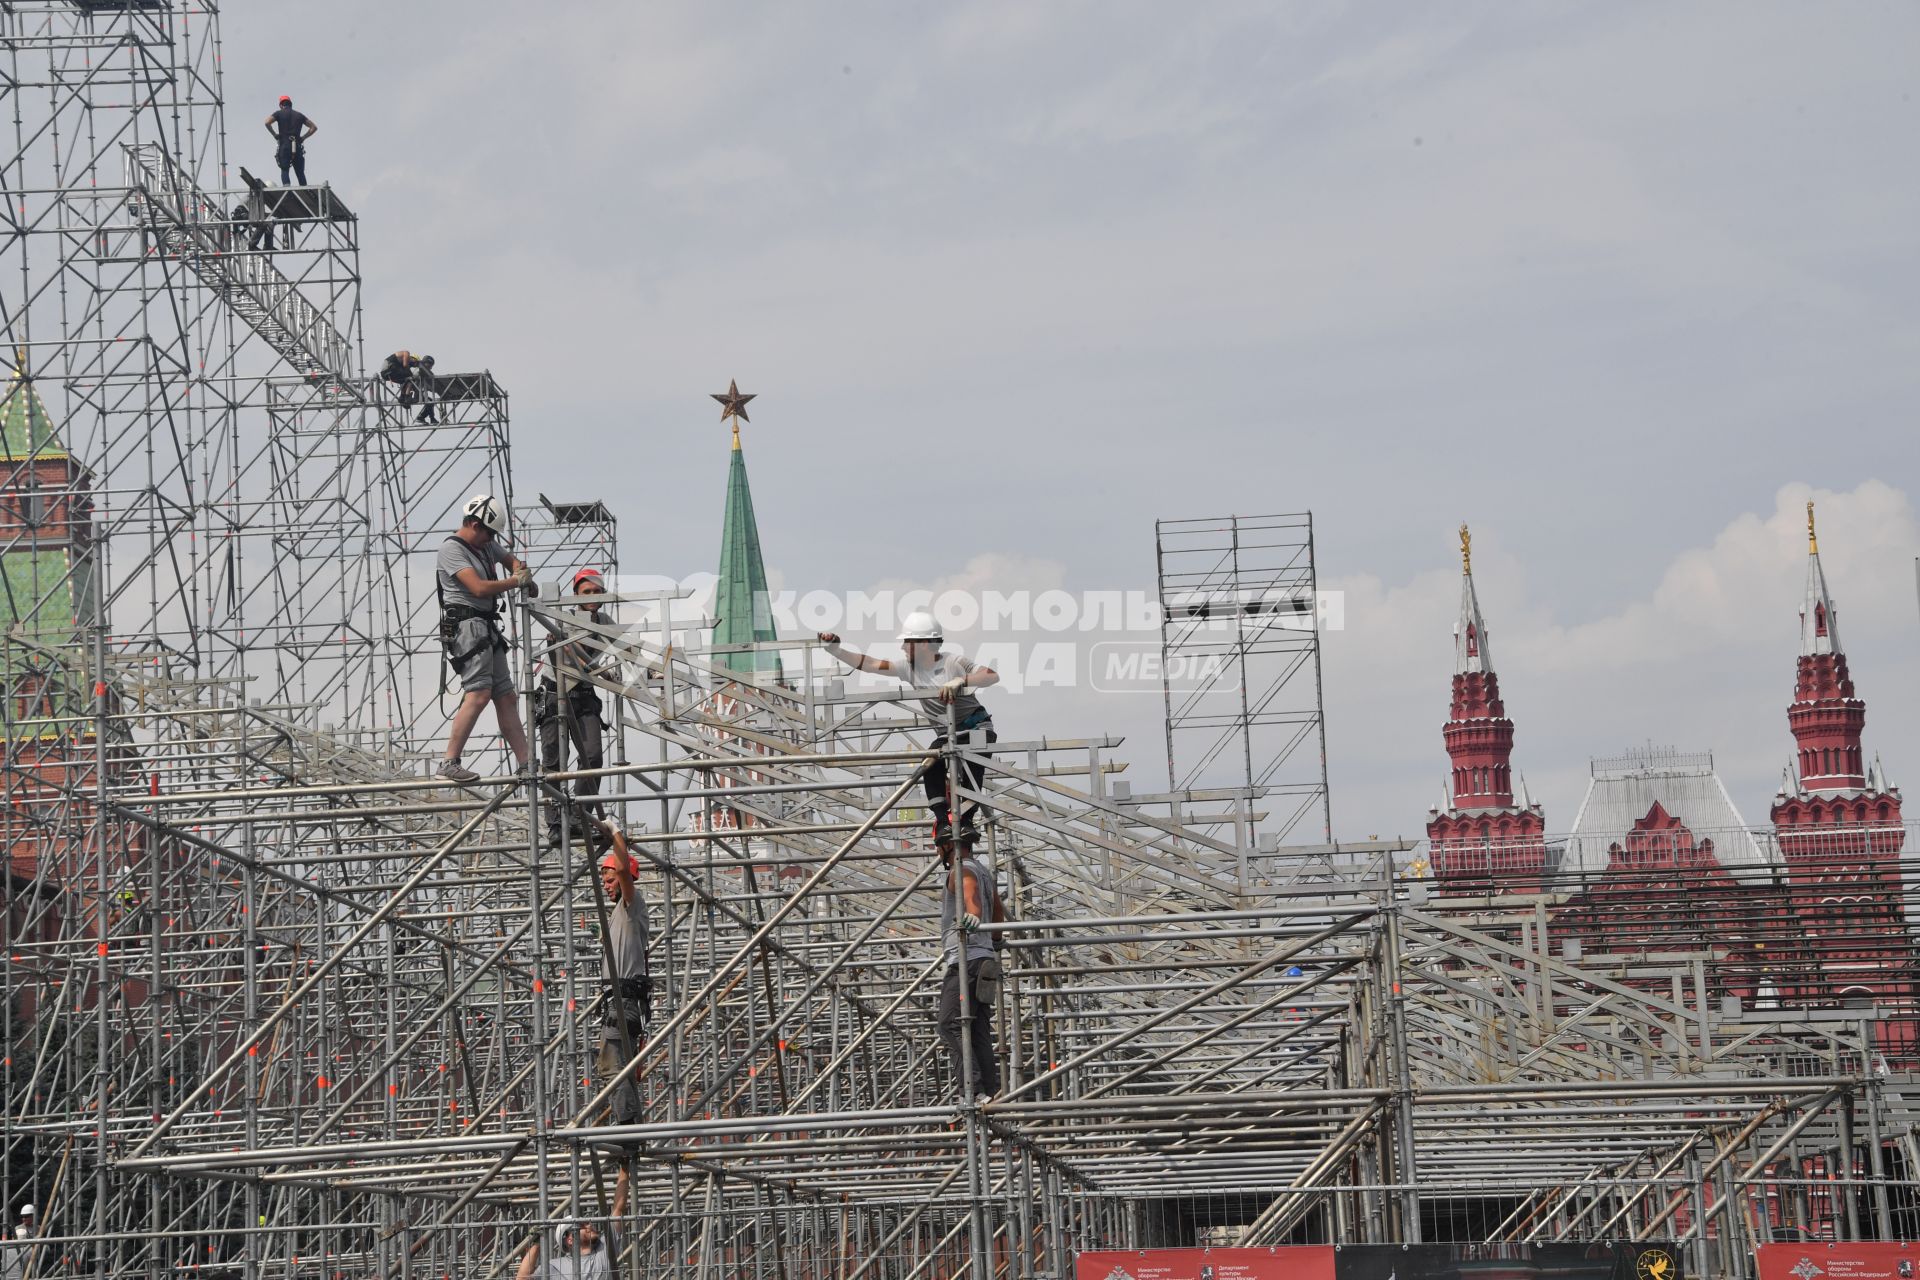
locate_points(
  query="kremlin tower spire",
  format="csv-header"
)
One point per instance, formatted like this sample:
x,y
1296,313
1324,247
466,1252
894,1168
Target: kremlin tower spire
x,y
1482,841
743,613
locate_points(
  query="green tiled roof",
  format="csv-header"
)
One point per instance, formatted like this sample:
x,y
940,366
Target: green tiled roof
x,y
46,592
742,611
26,428
37,594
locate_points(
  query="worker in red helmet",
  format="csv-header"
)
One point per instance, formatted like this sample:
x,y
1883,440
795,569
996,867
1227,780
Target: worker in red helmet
x,y
629,985
580,712
290,131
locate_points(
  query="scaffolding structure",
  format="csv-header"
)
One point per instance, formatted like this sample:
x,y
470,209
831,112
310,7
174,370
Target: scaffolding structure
x,y
278,1004
1240,666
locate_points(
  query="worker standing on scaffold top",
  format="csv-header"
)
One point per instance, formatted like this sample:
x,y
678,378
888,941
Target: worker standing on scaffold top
x,y
412,387
581,710
470,629
285,126
926,666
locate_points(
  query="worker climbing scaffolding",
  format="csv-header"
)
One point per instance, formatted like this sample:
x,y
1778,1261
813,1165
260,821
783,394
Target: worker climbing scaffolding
x,y
970,991
575,717
629,983
952,679
968,899
250,216
413,381
581,1251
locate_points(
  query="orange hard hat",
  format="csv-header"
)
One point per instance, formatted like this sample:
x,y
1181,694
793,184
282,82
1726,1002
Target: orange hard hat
x,y
611,859
587,575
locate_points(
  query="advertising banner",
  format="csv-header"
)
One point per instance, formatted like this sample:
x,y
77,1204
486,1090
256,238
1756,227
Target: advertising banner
x,y
1857,1260
1291,1262
1648,1260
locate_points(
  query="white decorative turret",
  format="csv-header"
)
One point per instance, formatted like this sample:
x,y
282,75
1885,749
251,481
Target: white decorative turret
x,y
1819,625
1470,652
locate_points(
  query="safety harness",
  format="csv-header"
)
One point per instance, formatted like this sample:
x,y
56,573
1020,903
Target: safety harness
x,y
452,615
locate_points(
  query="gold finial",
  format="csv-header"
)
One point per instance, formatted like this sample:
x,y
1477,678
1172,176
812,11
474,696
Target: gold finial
x,y
1466,550
1813,543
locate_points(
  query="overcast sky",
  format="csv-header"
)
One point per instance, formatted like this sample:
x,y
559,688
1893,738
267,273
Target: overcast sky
x,y
1619,284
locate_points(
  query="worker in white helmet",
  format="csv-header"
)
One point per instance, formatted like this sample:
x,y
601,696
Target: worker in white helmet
x,y
470,629
952,680
968,897
580,1250
15,1245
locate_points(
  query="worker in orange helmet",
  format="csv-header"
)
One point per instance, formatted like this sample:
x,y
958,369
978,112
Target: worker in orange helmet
x,y
629,985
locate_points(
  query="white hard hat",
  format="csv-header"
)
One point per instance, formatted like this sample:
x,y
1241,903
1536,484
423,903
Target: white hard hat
x,y
562,1229
26,1210
484,508
920,625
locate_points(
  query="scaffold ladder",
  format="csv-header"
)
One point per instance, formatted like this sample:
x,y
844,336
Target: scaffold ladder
x,y
190,225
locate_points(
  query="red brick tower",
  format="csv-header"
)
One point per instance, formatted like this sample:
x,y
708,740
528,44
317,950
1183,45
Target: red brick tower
x,y
46,569
1838,823
1483,840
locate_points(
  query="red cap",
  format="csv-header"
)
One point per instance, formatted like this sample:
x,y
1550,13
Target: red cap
x,y
285,98
587,575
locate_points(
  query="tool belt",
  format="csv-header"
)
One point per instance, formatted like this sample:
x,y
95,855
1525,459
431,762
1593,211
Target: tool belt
x,y
632,992
582,698
450,619
974,721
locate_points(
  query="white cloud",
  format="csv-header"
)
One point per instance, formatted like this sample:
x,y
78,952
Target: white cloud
x,y
1702,658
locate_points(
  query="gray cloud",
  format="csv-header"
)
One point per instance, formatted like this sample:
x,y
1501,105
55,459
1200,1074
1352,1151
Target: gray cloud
x,y
1017,279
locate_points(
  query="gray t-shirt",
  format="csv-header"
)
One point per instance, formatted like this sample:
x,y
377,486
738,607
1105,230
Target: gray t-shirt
x,y
951,904
944,667
587,1266
628,927
587,655
457,554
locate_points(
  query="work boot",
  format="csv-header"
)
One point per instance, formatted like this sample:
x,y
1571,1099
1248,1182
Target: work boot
x,y
943,835
969,834
454,771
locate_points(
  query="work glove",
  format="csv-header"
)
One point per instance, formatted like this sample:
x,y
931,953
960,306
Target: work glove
x,y
951,689
969,922
523,579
